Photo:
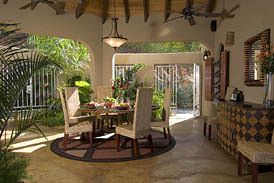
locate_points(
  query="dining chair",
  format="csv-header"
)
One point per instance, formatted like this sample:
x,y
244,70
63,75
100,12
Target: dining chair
x,y
75,123
141,121
164,122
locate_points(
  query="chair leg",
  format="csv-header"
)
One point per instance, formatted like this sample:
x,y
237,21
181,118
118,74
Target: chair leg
x,y
209,132
169,135
90,135
65,141
205,128
254,170
165,132
136,147
240,164
118,142
149,138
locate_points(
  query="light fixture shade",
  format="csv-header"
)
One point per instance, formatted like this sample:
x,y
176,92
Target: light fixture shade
x,y
114,39
115,42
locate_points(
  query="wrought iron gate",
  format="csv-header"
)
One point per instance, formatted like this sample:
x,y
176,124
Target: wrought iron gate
x,y
166,76
41,87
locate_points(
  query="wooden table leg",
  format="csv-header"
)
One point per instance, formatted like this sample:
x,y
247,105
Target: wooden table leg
x,y
254,170
240,164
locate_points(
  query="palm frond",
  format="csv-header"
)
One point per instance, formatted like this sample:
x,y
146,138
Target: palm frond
x,y
17,66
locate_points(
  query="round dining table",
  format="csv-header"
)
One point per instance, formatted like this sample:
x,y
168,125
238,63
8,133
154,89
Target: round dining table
x,y
117,113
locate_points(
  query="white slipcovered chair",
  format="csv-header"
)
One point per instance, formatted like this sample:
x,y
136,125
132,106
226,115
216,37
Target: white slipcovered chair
x,y
141,121
75,123
257,153
164,123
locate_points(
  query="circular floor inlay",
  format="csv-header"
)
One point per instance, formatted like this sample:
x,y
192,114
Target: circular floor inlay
x,y
104,148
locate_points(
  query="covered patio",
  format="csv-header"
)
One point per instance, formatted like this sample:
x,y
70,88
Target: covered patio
x,y
125,129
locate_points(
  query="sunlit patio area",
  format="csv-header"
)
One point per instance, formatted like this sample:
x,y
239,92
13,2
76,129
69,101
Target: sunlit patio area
x,y
136,91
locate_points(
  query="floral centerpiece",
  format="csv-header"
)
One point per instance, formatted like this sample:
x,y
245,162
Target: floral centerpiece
x,y
266,61
108,101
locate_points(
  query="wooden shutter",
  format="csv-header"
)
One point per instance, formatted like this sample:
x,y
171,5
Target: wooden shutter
x,y
209,79
224,69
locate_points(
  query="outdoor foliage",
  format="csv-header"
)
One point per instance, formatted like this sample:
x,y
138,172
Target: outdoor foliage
x,y
13,168
158,98
53,115
71,55
18,65
163,47
124,88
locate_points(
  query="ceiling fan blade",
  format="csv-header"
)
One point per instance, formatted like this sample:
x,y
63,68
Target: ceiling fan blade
x,y
58,7
210,6
81,8
26,6
171,19
188,4
34,4
208,14
191,20
234,8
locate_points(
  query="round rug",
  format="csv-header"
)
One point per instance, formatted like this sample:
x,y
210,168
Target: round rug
x,y
104,148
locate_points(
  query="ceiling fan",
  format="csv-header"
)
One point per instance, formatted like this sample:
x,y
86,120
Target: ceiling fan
x,y
189,12
57,6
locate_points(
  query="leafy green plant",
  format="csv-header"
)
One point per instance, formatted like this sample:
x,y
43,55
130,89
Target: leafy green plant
x,y
127,87
158,98
13,168
53,115
109,99
18,65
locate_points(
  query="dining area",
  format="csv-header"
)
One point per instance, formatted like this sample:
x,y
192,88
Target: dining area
x,y
111,130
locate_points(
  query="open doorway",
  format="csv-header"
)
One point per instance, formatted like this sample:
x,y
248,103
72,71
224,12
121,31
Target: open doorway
x,y
184,80
168,64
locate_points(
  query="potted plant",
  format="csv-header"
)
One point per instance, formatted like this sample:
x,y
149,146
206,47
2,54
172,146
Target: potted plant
x,y
108,101
266,61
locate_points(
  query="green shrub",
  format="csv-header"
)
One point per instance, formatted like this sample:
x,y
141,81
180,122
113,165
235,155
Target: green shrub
x,y
158,98
53,116
12,167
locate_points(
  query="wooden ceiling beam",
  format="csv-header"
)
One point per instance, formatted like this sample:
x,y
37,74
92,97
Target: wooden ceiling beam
x,y
167,9
146,9
126,10
105,7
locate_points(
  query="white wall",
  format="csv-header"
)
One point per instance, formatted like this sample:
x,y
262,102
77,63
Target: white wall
x,y
156,31
251,18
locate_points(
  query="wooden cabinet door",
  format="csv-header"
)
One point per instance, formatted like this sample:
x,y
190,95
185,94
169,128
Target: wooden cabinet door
x,y
209,78
224,71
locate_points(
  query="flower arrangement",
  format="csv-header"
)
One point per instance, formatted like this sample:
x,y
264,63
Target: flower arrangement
x,y
108,101
266,60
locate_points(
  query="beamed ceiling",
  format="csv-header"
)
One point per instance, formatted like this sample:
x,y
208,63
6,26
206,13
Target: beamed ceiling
x,y
128,8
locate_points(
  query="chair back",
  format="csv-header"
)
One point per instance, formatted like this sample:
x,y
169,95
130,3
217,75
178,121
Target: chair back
x,y
64,107
102,92
72,101
167,102
142,113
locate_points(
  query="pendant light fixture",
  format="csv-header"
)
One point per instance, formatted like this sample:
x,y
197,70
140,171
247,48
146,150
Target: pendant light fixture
x,y
114,39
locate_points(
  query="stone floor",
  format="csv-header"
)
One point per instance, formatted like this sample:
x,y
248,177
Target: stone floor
x,y
193,160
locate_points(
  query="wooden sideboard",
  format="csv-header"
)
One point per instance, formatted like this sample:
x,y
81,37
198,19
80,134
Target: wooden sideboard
x,y
238,123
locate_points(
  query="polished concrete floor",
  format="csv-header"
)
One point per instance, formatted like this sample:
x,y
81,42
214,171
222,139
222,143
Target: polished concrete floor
x,y
193,160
